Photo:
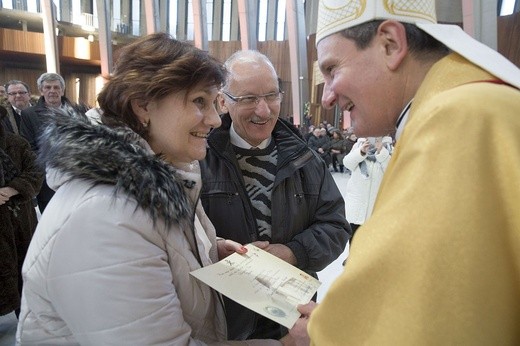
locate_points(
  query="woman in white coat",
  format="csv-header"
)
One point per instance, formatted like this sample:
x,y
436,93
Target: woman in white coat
x,y
367,161
110,260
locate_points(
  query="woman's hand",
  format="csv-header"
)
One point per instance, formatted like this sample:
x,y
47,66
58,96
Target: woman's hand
x,y
226,247
364,147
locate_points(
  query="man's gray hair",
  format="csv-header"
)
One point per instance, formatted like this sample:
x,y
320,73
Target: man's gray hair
x,y
49,77
247,56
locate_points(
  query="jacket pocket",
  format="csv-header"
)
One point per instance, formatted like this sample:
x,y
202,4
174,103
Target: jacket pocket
x,y
219,192
219,200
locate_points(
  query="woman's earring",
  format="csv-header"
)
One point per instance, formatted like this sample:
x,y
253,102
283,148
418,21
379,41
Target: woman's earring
x,y
146,123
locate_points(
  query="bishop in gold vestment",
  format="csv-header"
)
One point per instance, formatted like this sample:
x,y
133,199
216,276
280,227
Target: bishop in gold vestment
x,y
438,263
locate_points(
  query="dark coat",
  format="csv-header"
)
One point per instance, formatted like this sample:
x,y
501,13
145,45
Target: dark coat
x,y
341,145
11,122
308,211
322,142
349,144
17,218
34,120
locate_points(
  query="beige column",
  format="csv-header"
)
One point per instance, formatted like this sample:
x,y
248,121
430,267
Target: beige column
x,y
480,20
311,16
200,24
182,18
271,20
217,20
151,10
235,25
49,36
295,21
105,37
247,16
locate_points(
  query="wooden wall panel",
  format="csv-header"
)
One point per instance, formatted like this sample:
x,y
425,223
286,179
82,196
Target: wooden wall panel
x,y
32,43
508,30
223,49
318,112
87,92
28,76
278,53
21,41
80,48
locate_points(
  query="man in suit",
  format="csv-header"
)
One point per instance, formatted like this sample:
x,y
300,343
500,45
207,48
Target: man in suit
x,y
52,89
18,99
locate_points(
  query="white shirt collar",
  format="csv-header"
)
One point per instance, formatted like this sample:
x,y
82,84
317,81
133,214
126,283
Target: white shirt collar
x,y
238,141
402,120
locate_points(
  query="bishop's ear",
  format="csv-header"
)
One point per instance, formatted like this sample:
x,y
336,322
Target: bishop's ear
x,y
392,37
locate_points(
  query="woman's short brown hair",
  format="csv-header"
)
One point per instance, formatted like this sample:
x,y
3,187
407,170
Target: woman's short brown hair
x,y
152,68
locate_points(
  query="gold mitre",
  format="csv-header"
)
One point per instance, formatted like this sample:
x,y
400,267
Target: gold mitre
x,y
337,15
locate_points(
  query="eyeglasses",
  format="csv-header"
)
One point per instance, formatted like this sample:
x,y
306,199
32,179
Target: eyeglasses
x,y
14,93
253,100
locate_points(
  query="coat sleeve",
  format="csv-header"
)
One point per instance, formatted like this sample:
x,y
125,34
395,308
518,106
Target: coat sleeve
x,y
29,181
383,155
29,128
353,158
326,237
112,282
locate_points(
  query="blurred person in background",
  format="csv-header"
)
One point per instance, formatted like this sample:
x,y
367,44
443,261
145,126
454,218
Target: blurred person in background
x,y
338,149
367,162
18,99
20,180
33,120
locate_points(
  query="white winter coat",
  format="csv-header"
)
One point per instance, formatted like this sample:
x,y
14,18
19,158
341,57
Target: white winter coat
x,y
102,268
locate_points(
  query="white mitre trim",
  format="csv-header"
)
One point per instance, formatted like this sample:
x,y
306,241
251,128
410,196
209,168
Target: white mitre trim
x,y
478,53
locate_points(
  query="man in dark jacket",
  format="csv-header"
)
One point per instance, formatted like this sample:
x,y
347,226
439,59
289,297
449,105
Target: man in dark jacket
x,y
52,89
263,185
18,99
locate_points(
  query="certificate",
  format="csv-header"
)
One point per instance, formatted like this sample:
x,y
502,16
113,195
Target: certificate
x,y
261,282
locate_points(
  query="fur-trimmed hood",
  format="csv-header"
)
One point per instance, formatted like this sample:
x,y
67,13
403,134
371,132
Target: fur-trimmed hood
x,y
78,149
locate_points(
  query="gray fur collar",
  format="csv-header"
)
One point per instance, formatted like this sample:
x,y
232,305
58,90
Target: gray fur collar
x,y
103,155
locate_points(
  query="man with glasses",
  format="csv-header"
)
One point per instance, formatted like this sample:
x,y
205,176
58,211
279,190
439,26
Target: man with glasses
x,y
52,88
18,99
263,185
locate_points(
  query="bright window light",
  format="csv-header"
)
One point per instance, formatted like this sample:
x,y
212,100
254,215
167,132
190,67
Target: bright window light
x,y
280,21
507,7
